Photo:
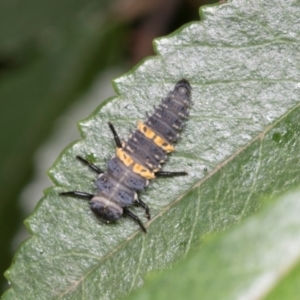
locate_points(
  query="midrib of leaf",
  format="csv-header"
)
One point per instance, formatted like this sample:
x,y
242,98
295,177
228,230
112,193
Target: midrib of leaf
x,y
200,203
266,252
259,138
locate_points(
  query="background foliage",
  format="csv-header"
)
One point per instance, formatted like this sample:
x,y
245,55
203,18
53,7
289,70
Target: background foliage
x,y
241,145
50,55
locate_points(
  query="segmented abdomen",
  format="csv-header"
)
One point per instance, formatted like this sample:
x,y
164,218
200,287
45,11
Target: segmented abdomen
x,y
146,149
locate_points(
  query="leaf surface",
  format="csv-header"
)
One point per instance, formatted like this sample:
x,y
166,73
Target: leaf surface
x,y
49,51
246,262
241,143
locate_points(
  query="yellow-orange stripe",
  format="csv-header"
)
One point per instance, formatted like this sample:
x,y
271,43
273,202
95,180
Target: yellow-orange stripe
x,y
136,168
158,140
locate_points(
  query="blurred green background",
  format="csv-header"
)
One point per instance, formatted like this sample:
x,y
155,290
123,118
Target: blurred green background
x,y
51,52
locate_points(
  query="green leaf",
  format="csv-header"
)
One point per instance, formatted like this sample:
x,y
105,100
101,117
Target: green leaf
x,y
241,143
49,52
243,263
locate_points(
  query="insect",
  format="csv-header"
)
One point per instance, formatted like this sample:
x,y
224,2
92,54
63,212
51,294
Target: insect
x,y
138,159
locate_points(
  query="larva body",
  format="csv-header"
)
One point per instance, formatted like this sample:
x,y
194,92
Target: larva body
x,y
139,158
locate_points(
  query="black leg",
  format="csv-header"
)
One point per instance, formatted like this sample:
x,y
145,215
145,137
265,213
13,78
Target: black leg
x,y
131,215
145,207
92,166
78,194
170,174
116,137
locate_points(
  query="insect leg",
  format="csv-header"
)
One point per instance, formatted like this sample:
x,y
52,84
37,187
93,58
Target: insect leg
x,y
145,207
92,166
170,174
134,217
78,194
116,137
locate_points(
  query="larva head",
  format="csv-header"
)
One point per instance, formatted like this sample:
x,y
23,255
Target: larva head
x,y
105,209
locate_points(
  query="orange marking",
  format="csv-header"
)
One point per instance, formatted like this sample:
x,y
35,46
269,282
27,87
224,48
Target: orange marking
x,y
144,172
163,144
124,157
145,130
158,140
137,168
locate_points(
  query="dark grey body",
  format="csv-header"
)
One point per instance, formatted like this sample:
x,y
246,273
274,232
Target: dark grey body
x,y
117,188
138,158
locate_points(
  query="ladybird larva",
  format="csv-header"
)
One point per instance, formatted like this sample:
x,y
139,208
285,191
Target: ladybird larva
x,y
138,159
